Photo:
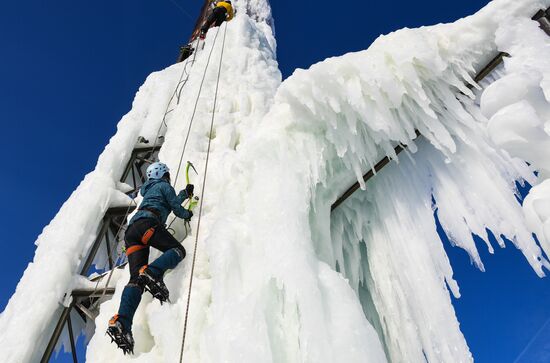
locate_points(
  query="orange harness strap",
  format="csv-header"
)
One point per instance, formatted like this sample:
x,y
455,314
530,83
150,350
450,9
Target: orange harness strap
x,y
135,248
147,235
144,239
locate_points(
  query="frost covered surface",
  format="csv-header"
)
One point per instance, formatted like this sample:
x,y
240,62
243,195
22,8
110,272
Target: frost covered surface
x,y
518,109
280,279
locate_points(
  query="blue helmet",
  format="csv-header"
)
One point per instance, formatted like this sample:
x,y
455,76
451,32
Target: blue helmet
x,y
157,170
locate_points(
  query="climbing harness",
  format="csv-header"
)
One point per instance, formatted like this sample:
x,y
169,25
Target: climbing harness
x,y
144,242
202,195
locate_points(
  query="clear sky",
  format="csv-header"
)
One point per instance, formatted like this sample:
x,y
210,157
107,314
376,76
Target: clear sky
x,y
69,71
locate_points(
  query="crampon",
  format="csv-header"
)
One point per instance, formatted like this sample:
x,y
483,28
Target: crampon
x,y
154,285
123,339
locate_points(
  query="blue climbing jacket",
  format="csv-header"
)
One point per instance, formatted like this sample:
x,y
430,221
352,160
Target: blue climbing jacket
x,y
159,195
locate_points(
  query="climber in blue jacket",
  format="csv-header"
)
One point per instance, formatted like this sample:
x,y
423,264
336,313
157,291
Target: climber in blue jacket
x,y
147,229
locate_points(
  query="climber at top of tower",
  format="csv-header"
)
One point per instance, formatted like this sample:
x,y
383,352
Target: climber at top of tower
x,y
147,229
223,11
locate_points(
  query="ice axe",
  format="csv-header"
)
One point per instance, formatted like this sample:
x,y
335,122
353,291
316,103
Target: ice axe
x,y
189,166
192,201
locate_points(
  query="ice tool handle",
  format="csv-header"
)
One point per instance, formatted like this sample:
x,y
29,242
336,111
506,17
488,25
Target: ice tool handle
x,y
193,201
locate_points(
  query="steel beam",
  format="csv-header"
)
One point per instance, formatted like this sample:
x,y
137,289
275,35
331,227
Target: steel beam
x,y
134,156
109,253
366,177
543,18
86,313
71,338
95,246
545,25
56,333
495,62
110,217
128,168
99,277
134,177
142,177
93,292
115,229
120,211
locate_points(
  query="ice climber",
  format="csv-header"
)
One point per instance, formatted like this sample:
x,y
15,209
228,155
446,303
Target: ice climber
x,y
147,229
223,11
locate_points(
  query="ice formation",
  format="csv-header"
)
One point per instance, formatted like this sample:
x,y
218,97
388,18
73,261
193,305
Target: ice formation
x,y
279,278
518,109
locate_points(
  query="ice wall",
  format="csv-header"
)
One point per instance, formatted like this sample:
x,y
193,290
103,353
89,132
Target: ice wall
x,y
343,115
278,278
253,300
384,239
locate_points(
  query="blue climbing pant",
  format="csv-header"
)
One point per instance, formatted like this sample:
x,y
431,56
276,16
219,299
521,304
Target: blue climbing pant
x,y
162,240
129,302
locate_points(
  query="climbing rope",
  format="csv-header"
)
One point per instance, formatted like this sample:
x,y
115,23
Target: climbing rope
x,y
195,51
181,9
202,197
181,83
193,118
195,109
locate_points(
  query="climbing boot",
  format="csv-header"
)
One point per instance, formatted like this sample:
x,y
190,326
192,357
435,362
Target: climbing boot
x,y
122,337
153,284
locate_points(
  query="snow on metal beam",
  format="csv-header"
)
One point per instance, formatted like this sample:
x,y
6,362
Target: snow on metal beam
x,y
109,291
542,16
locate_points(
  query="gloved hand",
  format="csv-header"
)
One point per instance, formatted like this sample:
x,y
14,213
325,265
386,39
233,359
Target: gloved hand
x,y
189,189
190,216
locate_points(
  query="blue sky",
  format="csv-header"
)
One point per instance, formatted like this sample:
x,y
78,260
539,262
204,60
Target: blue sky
x,y
69,71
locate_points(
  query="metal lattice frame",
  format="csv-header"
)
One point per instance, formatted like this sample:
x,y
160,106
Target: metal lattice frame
x,y
112,224
134,173
83,300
